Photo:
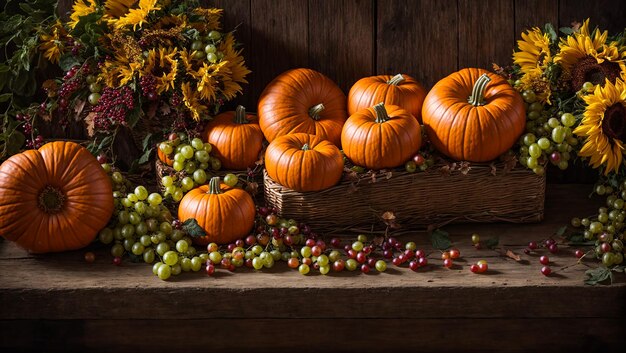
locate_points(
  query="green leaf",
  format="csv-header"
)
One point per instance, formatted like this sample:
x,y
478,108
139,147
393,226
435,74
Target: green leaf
x,y
598,275
561,231
440,239
4,68
145,157
492,242
5,97
133,117
566,30
67,61
619,268
146,141
192,228
549,29
105,142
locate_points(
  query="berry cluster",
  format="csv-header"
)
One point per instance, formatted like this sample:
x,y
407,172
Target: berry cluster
x,y
112,107
148,87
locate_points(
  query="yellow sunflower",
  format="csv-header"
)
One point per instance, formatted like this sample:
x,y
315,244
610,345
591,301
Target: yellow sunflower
x,y
192,102
120,71
163,65
588,58
604,126
534,51
211,76
53,44
535,81
211,21
81,8
122,13
235,64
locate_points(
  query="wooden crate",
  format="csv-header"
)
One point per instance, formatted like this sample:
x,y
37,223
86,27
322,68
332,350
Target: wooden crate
x,y
485,193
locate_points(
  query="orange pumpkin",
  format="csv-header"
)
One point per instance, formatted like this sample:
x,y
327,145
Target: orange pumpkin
x,y
302,100
163,157
473,115
54,199
381,137
226,214
401,90
236,138
304,162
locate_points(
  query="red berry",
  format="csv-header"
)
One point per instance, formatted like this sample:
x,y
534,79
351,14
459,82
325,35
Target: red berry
x,y
545,270
482,267
310,242
474,268
532,245
210,269
352,254
288,239
102,158
339,265
414,265
454,253
361,257
335,242
544,260
553,248
422,261
447,263
316,250
117,260
365,268
420,253
579,253
251,240
371,262
387,254
90,257
248,263
419,159
527,251
409,254
605,247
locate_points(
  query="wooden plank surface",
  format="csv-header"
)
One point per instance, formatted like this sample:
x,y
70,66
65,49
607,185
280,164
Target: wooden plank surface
x,y
486,33
607,14
535,13
341,44
418,38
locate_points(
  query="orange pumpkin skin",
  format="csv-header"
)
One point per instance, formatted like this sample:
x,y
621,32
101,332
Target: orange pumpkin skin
x,y
475,133
226,214
401,90
163,157
291,104
379,137
304,162
236,138
54,199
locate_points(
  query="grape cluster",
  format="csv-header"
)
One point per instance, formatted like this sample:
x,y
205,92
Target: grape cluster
x,y
112,107
547,138
421,161
192,159
607,227
94,88
206,48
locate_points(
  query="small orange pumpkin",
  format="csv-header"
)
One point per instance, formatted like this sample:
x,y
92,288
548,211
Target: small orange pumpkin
x,y
304,162
401,90
236,138
302,100
473,115
163,157
226,214
381,137
56,198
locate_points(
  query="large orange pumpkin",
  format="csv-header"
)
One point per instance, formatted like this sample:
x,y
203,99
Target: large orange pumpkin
x,y
304,162
383,136
473,115
302,100
54,199
236,138
401,90
226,214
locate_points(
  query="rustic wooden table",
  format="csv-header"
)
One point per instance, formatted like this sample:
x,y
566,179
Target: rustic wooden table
x,y
58,302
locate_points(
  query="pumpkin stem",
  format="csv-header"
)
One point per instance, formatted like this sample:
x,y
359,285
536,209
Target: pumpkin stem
x,y
306,147
381,113
240,115
51,200
214,186
396,80
315,111
477,98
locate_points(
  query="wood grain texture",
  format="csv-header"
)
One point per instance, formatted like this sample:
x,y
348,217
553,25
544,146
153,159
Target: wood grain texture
x,y
343,335
281,36
535,13
486,33
342,49
607,14
418,38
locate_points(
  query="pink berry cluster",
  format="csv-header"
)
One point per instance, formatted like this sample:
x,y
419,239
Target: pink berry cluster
x,y
28,129
148,87
112,108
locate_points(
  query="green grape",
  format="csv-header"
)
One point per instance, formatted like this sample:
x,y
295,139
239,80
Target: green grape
x,y
117,232
214,35
215,257
182,246
155,267
534,115
185,264
306,251
568,119
211,57
137,248
177,235
162,248
351,264
176,269
203,166
324,269
202,156
216,164
167,181
164,272
170,258
141,229
166,227
132,197
187,151
140,207
117,250
534,150
170,189
178,166
177,195
148,256
588,87
268,262
543,143
357,246
145,240
558,134
128,244
210,48
554,123
127,203
190,167
596,227
257,263
141,192
531,162
197,143
322,260
187,183
208,148
128,231
535,107
117,177
529,96
381,266
529,139
539,170
155,199
231,179
166,148
603,217
134,218
199,176
304,269
563,165
257,249
334,256
105,236
179,157
196,264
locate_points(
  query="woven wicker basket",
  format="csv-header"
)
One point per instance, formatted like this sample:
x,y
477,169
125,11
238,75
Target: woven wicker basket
x,y
429,198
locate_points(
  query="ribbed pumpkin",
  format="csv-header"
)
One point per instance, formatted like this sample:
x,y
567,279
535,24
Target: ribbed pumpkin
x,y
382,136
302,100
236,138
226,214
54,199
401,90
304,162
473,115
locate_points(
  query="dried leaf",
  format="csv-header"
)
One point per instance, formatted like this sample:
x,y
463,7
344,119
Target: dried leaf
x,y
152,110
78,108
561,231
378,240
388,175
440,239
465,167
165,109
46,117
352,188
388,216
445,170
261,160
193,229
252,188
513,255
494,170
373,178
598,275
89,120
509,163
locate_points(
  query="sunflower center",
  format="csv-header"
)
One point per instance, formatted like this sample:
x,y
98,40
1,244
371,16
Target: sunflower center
x,y
587,69
51,199
614,122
